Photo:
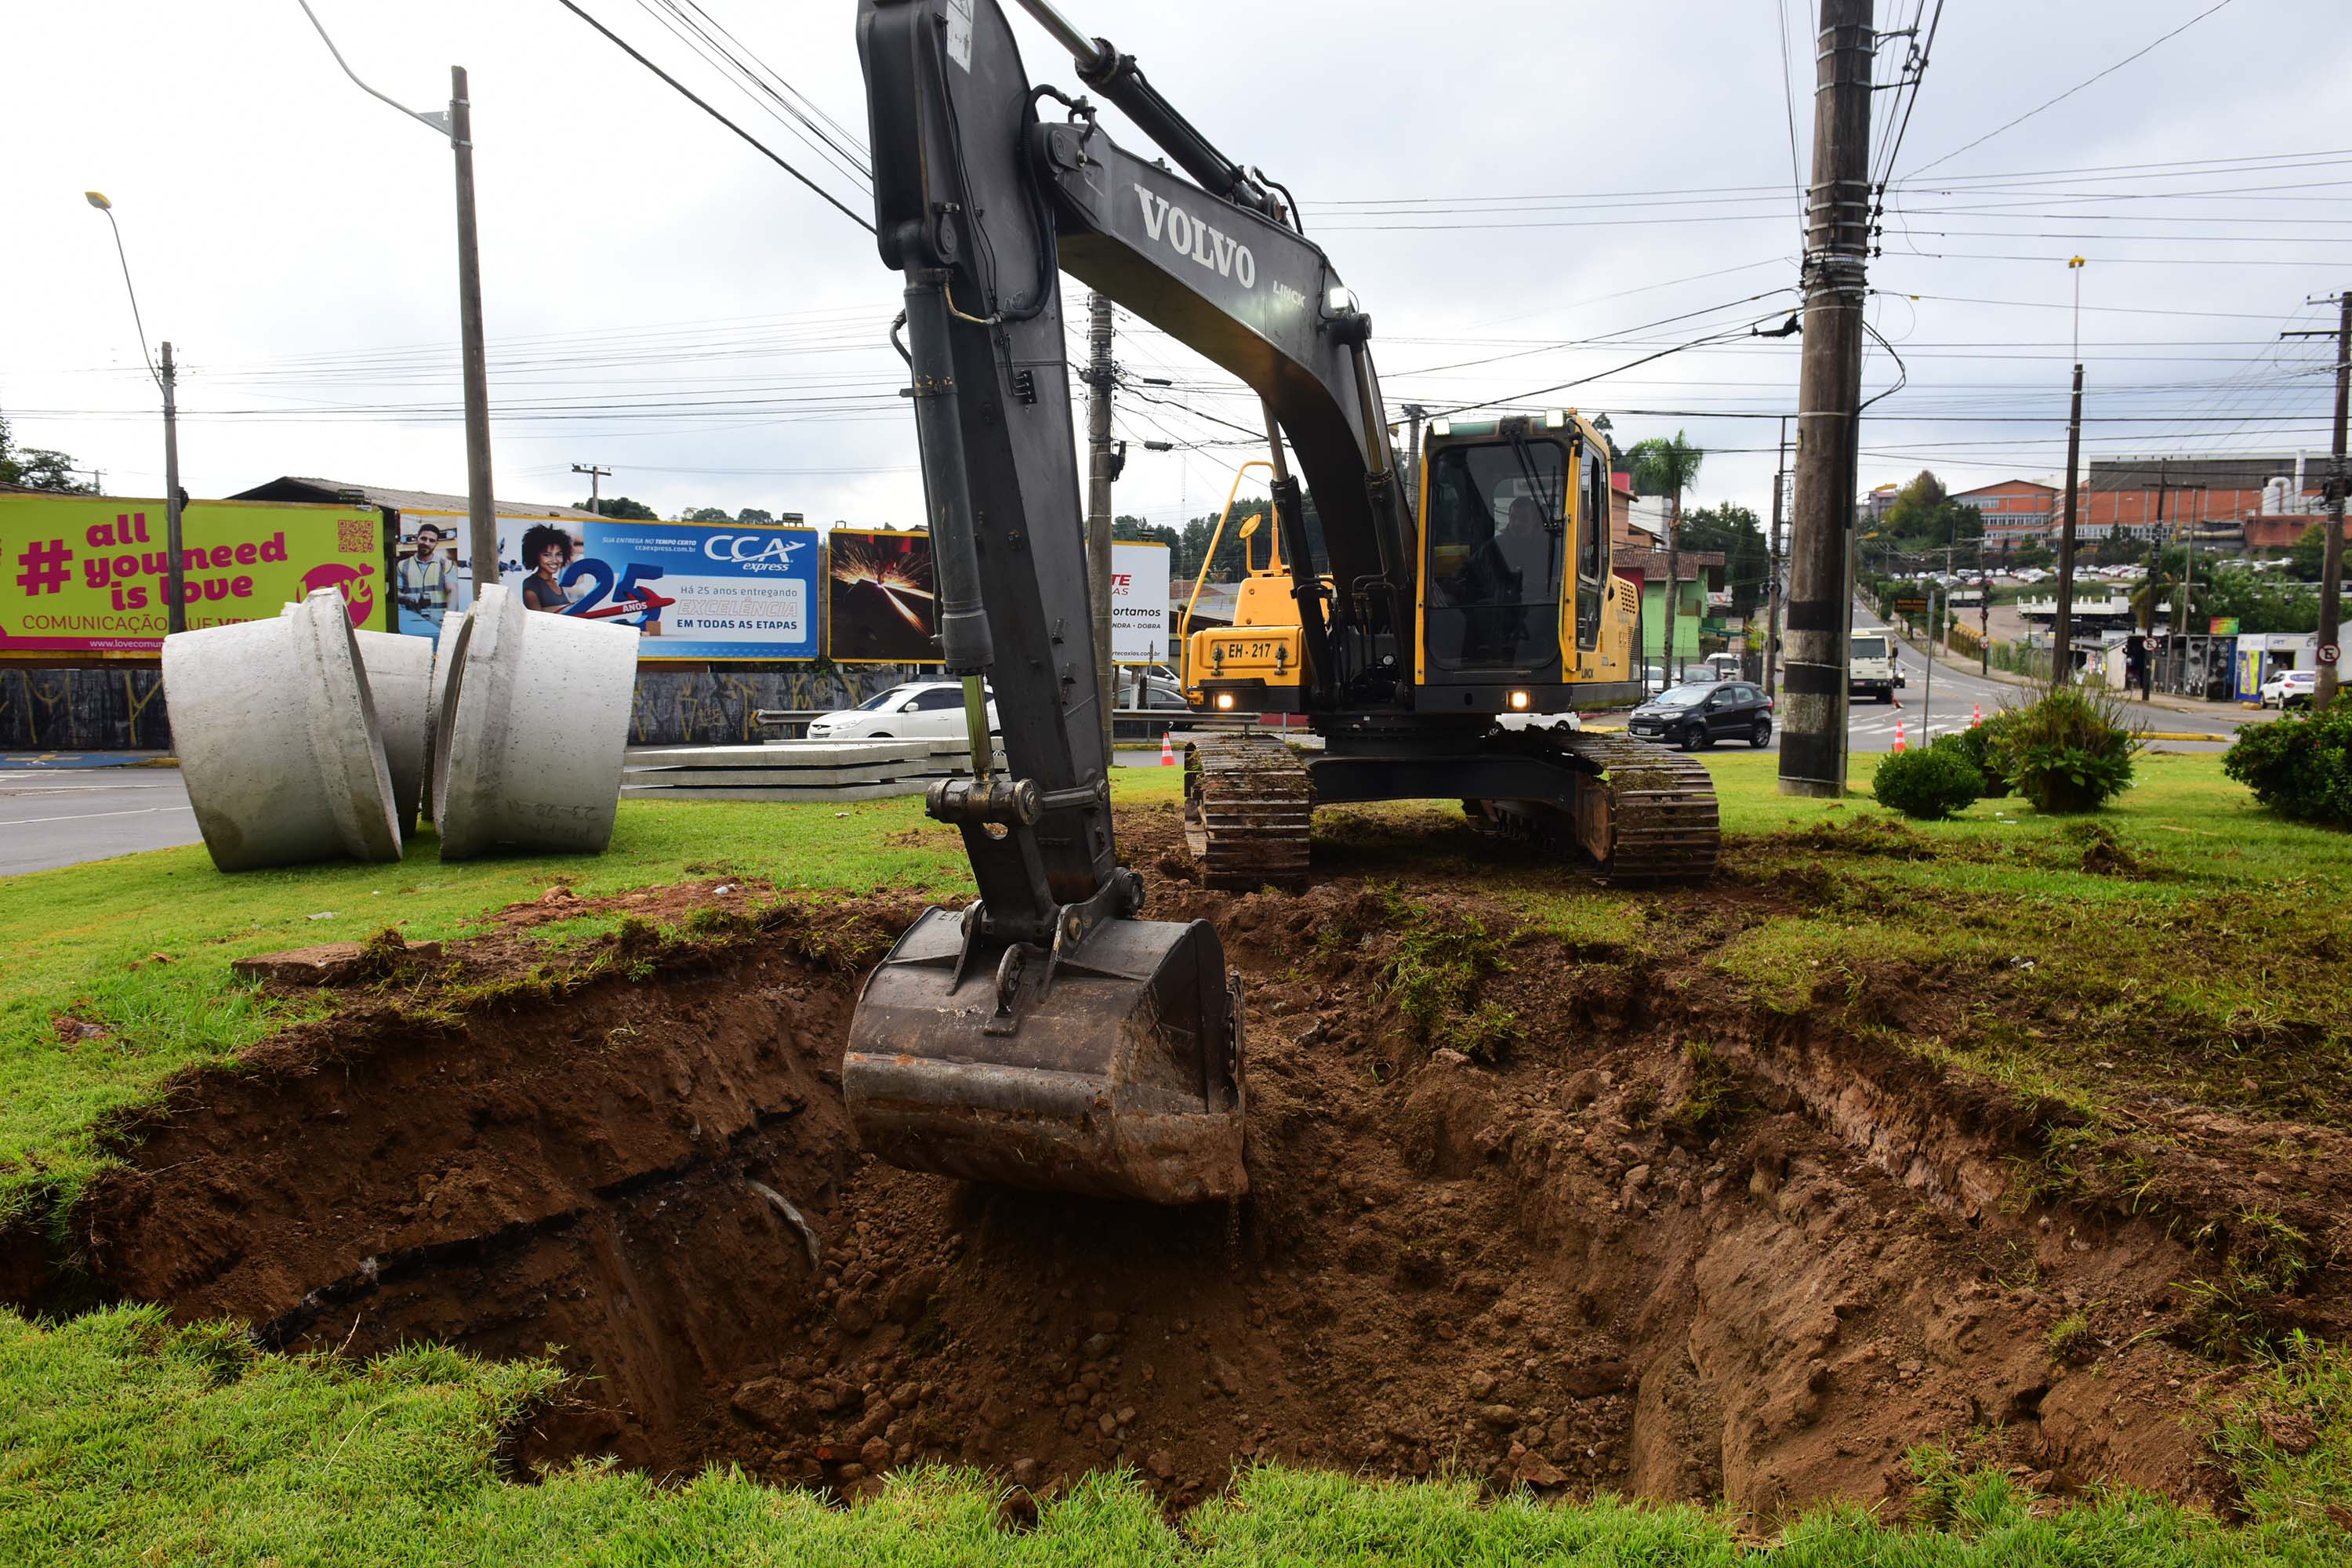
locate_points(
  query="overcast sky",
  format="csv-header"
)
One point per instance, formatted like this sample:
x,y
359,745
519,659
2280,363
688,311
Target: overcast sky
x,y
1501,184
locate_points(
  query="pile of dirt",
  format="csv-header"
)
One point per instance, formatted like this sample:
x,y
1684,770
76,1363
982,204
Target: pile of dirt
x,y
1625,1235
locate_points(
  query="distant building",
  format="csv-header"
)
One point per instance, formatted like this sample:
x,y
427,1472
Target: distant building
x,y
2197,497
2015,513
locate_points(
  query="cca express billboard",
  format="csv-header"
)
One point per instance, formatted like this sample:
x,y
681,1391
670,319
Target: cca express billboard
x,y
89,575
692,590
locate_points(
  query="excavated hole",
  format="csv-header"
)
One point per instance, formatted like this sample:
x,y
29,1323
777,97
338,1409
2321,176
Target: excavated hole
x,y
1609,1261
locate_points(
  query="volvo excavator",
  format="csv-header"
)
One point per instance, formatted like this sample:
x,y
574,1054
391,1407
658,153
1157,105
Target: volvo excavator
x,y
1044,1035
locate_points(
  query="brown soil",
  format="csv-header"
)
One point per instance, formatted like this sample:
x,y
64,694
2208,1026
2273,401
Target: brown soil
x,y
1666,1244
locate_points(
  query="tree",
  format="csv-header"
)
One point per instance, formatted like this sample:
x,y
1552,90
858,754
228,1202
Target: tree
x,y
619,506
1139,531
1734,530
39,469
1924,516
2031,555
754,517
705,514
2308,557
1664,466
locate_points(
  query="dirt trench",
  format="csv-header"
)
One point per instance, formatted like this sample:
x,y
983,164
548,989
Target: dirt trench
x,y
1661,1245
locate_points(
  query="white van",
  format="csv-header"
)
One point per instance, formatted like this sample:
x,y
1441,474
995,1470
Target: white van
x,y
1871,669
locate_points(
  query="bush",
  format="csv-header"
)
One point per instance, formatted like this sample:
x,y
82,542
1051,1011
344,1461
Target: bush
x,y
2070,752
1927,785
1975,743
2300,765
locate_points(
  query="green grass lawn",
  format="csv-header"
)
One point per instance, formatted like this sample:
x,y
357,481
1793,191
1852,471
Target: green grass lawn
x,y
124,1440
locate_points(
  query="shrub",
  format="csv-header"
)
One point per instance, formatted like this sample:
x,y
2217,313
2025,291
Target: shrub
x,y
1927,785
1975,743
2301,766
2070,752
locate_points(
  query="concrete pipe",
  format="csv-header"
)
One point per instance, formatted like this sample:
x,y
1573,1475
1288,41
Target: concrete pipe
x,y
435,692
533,725
400,678
399,673
277,740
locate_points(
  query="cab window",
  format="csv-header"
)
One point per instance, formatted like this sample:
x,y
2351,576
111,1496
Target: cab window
x,y
1494,534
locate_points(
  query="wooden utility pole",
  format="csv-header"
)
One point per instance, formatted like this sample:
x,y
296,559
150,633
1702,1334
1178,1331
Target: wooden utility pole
x,y
594,473
2331,567
1098,514
2154,554
175,581
2061,625
1829,398
1772,562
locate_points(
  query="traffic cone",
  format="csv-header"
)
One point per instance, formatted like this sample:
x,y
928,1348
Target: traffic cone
x,y
1976,717
1898,737
1167,751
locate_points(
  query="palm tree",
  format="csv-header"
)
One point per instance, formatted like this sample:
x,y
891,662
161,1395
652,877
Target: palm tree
x,y
1664,466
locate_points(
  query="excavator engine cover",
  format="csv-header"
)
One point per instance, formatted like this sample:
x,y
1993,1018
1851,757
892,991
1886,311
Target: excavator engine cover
x,y
1114,1070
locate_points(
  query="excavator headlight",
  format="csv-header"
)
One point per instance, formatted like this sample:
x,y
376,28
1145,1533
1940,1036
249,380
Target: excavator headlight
x,y
1554,419
1440,427
1518,701
1342,299
1224,702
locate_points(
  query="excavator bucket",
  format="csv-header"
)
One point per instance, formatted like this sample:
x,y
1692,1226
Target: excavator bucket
x,y
1111,1068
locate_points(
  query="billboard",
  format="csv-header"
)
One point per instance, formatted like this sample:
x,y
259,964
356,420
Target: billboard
x,y
1138,602
879,602
86,575
692,590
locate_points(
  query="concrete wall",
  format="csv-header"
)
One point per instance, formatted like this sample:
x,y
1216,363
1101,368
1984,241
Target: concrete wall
x,y
119,710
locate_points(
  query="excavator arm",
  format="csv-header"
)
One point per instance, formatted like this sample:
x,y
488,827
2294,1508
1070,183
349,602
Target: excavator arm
x,y
1044,1037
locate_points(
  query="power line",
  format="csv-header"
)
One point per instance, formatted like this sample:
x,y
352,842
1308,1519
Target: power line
x,y
699,103
2070,91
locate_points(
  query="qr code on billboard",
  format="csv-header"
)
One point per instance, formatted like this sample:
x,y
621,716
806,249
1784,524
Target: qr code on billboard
x,y
355,536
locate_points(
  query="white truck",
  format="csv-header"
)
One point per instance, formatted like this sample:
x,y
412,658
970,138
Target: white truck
x,y
1871,667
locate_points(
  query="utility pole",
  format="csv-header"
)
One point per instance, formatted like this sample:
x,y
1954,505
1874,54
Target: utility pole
x,y
2155,556
594,474
175,581
2331,558
1098,515
1829,397
2061,625
1772,563
479,508
458,124
2331,568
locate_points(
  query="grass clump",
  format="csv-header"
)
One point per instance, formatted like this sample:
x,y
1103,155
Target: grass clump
x,y
2300,766
2070,752
1441,961
1717,1096
2070,1339
1930,784
2240,1309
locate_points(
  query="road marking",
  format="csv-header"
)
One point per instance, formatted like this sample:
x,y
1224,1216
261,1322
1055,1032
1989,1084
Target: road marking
x,y
86,816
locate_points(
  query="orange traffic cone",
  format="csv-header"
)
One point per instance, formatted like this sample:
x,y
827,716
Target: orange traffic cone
x,y
1167,751
1898,737
1976,717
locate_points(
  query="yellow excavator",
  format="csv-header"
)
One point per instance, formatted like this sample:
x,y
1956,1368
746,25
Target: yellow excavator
x,y
1518,619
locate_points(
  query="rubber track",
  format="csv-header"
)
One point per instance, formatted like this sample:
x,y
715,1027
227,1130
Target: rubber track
x,y
1663,824
1248,807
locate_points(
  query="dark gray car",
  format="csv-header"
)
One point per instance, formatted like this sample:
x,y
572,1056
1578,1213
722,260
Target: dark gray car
x,y
1703,713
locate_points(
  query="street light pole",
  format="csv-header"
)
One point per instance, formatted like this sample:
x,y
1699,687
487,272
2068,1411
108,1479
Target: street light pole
x,y
458,124
175,573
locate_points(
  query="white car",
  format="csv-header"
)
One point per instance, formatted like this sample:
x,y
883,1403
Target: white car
x,y
2290,689
917,710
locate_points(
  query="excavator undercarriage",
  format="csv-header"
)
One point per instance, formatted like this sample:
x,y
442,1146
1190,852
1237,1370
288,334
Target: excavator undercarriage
x,y
1639,815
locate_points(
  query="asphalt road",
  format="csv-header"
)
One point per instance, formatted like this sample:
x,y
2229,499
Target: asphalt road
x,y
1957,695
60,817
